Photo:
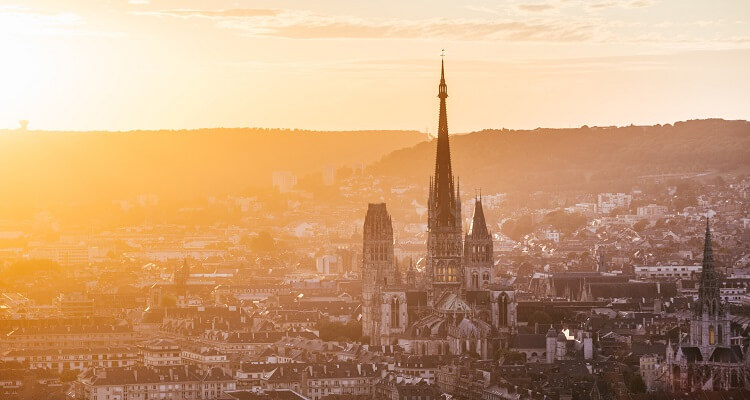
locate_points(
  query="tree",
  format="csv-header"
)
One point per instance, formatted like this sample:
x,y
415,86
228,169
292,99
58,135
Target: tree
x,y
344,173
518,228
263,243
564,221
619,211
686,194
511,357
32,267
635,383
640,226
68,375
540,317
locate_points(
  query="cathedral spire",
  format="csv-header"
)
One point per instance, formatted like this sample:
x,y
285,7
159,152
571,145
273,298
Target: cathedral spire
x,y
444,191
478,227
708,252
709,298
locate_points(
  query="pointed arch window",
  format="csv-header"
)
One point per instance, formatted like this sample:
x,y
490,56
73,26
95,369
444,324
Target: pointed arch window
x,y
502,306
719,334
395,314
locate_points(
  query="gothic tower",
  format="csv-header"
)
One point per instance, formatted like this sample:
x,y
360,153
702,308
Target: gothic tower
x,y
478,257
181,276
711,322
444,232
378,267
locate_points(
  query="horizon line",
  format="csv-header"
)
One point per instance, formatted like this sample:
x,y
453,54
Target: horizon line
x,y
387,130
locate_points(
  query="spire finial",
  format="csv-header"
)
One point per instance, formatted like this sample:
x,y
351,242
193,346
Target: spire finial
x,y
442,74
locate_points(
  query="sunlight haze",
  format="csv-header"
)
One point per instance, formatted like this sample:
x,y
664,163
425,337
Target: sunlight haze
x,y
162,64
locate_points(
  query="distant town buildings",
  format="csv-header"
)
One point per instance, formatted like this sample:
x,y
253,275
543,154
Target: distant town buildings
x,y
667,271
607,202
284,181
652,211
328,293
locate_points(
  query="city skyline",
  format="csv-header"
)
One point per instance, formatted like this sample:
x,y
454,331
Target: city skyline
x,y
278,226
126,65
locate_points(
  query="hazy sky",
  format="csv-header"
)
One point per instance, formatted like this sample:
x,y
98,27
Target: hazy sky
x,y
345,64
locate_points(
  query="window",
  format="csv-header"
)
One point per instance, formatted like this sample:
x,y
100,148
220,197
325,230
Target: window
x,y
502,305
395,313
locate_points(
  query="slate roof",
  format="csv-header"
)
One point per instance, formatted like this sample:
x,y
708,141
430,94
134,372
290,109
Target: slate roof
x,y
726,355
692,354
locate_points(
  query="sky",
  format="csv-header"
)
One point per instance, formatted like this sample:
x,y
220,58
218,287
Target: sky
x,y
343,64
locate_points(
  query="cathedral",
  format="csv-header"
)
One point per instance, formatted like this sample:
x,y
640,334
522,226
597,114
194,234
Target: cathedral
x,y
453,306
708,361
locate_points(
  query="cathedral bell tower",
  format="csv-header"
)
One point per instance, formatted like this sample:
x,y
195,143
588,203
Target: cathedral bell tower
x,y
378,267
478,257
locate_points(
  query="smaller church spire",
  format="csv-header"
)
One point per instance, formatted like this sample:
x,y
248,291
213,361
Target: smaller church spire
x,y
707,246
708,255
478,227
709,298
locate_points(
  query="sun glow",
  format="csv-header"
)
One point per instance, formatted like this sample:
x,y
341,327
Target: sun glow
x,y
90,65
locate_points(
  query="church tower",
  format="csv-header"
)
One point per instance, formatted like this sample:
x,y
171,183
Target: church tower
x,y
180,276
444,232
478,257
378,267
710,326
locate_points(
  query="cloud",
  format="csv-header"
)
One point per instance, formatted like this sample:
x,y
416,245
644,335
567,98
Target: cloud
x,y
607,4
578,7
213,14
352,28
306,25
567,21
639,4
16,20
621,4
536,7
